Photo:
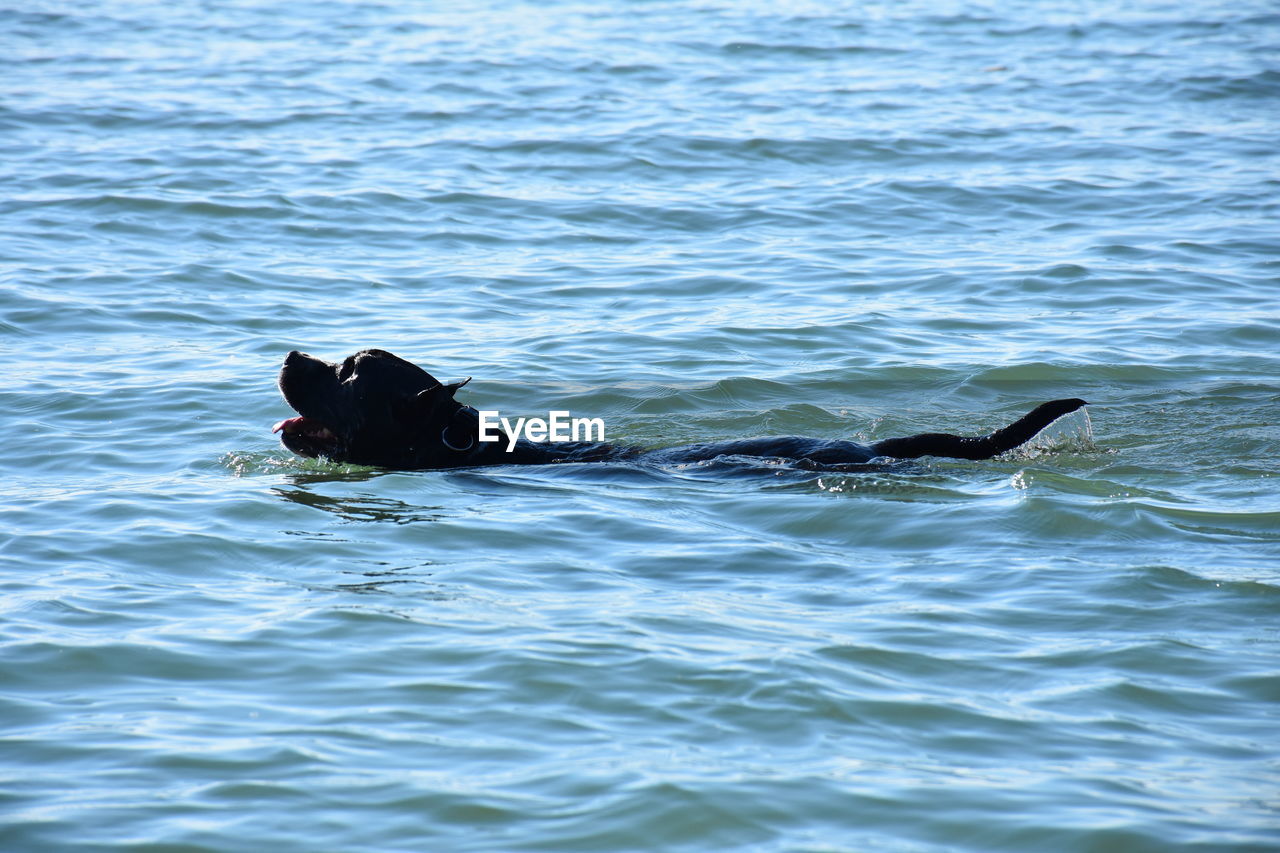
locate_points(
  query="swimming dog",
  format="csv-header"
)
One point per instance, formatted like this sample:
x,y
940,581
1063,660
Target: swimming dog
x,y
377,409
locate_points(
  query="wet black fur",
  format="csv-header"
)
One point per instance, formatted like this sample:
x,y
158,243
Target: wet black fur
x,y
378,409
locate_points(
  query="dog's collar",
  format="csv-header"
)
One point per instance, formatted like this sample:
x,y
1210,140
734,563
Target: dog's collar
x,y
444,433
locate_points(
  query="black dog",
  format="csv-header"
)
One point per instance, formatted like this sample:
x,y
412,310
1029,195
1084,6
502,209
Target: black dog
x,y
377,409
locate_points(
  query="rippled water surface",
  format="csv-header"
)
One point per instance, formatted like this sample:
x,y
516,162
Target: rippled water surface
x,y
697,221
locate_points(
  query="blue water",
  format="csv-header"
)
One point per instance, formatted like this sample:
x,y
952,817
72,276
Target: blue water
x,y
697,221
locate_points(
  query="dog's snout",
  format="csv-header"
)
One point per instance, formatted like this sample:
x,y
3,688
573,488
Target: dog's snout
x,y
300,361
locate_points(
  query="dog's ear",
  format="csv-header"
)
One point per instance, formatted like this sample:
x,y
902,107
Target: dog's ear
x,y
437,392
460,423
424,403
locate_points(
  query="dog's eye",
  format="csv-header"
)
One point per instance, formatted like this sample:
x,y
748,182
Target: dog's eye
x,y
348,367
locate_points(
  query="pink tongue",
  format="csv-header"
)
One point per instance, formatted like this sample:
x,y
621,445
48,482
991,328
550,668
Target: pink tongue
x,y
286,424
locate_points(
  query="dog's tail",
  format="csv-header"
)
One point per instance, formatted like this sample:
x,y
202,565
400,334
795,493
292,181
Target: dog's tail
x,y
982,447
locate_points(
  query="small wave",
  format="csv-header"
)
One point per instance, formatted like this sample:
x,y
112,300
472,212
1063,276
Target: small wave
x,y
270,206
1229,524
242,463
807,51
1263,85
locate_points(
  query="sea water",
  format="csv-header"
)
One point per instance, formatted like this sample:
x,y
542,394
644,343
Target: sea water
x,y
695,221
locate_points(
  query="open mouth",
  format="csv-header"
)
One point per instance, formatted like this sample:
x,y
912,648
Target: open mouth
x,y
307,436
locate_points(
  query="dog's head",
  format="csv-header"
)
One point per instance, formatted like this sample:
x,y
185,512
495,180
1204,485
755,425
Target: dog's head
x,y
376,409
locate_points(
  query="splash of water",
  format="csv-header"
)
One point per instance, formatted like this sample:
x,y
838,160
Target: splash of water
x,y
1071,433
